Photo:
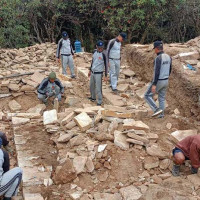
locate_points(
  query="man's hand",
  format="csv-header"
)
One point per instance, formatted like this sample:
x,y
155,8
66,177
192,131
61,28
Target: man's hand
x,y
89,73
58,60
47,94
105,79
153,89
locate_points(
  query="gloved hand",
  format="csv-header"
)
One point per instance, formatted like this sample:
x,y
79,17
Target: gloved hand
x,y
47,94
194,170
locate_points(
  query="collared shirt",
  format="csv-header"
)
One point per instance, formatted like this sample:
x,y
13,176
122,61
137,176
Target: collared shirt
x,y
99,62
64,47
113,49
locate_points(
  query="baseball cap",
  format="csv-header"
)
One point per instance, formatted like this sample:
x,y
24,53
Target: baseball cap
x,y
64,34
123,35
157,44
100,43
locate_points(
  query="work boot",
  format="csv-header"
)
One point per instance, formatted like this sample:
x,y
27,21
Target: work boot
x,y
157,112
161,115
73,76
176,170
91,99
115,91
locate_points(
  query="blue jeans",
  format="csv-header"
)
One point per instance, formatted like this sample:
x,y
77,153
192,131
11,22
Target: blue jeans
x,y
161,89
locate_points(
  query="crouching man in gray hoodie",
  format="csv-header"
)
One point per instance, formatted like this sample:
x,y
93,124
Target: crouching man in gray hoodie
x,y
50,87
9,179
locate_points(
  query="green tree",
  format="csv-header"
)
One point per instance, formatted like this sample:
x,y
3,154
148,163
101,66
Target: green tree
x,y
14,27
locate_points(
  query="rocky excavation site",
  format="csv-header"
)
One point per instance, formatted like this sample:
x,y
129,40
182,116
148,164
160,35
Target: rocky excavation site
x,y
116,151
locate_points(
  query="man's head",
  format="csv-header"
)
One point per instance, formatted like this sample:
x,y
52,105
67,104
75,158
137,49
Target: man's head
x,y
52,77
64,35
100,46
122,37
158,46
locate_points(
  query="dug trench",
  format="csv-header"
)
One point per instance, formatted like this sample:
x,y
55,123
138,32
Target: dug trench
x,y
115,152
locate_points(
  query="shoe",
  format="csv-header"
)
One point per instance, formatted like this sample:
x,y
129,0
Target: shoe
x,y
194,170
176,170
73,76
99,104
115,90
91,99
157,112
160,116
7,198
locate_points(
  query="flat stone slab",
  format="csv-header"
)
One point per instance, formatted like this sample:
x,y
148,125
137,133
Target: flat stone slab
x,y
24,159
83,121
110,113
50,117
115,100
24,115
128,72
37,77
136,125
14,105
177,136
130,193
120,140
31,176
37,109
35,196
107,196
19,120
123,87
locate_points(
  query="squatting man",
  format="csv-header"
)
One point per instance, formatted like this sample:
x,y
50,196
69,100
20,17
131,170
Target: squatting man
x,y
50,87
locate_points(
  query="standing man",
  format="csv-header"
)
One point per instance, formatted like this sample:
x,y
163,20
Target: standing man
x,y
187,149
96,73
65,50
50,87
114,57
9,179
162,70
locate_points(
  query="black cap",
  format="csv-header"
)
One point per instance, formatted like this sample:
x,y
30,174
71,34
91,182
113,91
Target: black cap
x,y
100,43
123,35
64,34
157,44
